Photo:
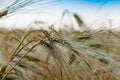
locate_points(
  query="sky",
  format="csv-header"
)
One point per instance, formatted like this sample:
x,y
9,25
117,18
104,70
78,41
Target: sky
x,y
50,11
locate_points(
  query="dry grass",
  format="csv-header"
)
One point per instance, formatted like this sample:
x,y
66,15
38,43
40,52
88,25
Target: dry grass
x,y
50,55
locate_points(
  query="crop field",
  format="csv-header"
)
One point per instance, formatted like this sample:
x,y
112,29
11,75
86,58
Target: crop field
x,y
59,54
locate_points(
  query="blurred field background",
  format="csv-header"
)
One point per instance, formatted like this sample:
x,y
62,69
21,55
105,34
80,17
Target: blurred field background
x,y
67,49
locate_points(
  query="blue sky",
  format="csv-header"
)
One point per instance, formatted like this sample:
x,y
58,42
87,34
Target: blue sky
x,y
88,9
79,6
92,5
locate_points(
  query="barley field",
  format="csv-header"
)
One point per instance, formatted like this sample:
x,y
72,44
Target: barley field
x,y
59,54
